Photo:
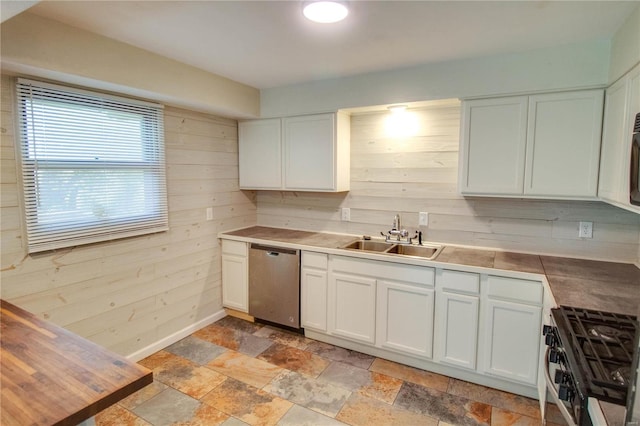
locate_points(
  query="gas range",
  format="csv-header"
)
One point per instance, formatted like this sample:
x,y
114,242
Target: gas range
x,y
593,355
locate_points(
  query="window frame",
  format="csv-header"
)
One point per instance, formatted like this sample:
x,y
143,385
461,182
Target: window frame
x,y
146,173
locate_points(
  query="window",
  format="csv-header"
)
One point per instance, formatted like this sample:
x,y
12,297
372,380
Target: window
x,y
92,166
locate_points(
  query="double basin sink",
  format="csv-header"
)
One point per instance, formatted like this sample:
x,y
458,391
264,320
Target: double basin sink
x,y
427,252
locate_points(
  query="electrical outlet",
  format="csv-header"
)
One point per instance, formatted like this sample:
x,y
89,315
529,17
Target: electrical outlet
x,y
345,214
585,230
209,213
423,219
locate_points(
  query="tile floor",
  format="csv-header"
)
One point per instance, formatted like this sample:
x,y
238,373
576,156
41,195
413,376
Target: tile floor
x,y
235,372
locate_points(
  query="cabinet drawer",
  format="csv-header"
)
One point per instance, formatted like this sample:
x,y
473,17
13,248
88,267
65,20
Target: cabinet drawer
x,y
421,275
315,260
466,282
515,289
234,247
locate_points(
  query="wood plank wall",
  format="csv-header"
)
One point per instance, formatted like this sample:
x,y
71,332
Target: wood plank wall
x,y
131,293
407,175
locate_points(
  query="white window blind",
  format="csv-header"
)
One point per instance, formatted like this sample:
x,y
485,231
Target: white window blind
x,y
93,166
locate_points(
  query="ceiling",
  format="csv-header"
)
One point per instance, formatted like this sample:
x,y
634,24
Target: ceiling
x,y
268,44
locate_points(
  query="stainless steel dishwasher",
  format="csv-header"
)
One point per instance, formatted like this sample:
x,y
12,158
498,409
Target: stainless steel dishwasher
x,y
274,285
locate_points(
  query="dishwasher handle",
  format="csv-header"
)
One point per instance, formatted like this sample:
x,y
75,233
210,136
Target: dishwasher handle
x,y
273,251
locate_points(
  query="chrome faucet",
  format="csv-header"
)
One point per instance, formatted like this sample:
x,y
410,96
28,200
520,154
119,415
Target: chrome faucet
x,y
396,222
398,232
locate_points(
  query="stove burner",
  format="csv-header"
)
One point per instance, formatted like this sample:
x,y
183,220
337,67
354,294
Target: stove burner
x,y
600,349
606,333
622,376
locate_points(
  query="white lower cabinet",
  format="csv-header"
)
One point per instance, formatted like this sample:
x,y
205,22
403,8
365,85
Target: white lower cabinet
x,y
405,317
512,328
313,290
487,327
457,324
352,306
457,316
512,340
384,304
235,275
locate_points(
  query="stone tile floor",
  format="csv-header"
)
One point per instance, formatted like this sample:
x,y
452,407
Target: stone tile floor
x,y
235,372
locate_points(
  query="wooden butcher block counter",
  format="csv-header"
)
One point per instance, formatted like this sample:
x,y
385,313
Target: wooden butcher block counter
x,y
51,376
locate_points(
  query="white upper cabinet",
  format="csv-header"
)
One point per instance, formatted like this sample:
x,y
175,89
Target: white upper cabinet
x,y
539,146
303,153
494,133
612,185
260,154
563,144
622,103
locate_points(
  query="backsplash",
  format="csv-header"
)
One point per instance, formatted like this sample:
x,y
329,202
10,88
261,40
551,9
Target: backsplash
x,y
407,175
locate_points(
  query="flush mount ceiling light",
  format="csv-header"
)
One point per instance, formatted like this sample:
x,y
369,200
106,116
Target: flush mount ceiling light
x,y
325,11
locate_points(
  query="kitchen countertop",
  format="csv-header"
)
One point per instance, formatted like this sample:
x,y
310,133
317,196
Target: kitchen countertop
x,y
289,236
51,376
606,286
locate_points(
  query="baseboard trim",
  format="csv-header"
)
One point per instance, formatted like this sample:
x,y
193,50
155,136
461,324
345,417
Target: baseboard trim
x,y
238,314
178,335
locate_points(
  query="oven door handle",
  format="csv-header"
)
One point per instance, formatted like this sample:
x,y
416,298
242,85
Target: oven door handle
x,y
568,417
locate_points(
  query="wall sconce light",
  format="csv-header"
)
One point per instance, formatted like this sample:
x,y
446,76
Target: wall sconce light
x,y
325,11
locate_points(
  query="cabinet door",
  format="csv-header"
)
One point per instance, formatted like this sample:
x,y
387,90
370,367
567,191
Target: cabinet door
x,y
563,144
613,184
493,146
352,306
313,293
405,318
632,110
457,329
235,282
260,154
512,340
309,152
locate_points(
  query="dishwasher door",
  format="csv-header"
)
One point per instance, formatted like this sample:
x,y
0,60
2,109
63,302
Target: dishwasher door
x,y
274,285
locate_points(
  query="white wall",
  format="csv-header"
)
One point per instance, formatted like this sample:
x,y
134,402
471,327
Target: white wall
x,y
625,46
392,175
129,294
562,67
45,48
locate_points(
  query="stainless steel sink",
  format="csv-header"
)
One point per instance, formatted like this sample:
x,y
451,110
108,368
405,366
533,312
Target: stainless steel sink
x,y
424,251
368,245
427,252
